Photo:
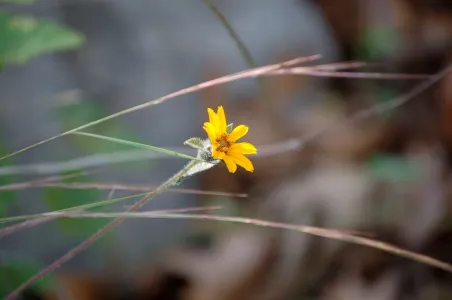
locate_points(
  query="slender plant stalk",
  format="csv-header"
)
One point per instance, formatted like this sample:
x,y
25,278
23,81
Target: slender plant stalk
x,y
244,51
197,87
336,234
57,214
69,209
82,246
6,231
23,225
250,73
111,186
139,145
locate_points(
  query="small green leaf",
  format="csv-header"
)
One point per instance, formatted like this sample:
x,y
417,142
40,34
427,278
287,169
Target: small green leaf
x,y
24,37
204,161
199,167
194,143
229,128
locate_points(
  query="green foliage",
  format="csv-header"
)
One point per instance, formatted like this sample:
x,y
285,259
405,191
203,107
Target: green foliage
x,y
24,37
14,272
17,1
392,168
6,197
58,199
377,42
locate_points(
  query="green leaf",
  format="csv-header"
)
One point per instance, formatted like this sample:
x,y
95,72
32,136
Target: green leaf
x,y
198,167
6,197
24,37
376,42
140,146
21,2
59,199
194,143
229,128
393,168
203,162
14,273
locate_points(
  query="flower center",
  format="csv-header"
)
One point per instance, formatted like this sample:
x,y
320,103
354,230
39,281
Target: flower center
x,y
222,143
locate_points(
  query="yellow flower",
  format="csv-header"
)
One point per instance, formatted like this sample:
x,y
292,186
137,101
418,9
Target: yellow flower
x,y
224,144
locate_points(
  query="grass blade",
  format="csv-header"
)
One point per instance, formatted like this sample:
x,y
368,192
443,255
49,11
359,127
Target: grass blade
x,y
317,231
197,87
139,145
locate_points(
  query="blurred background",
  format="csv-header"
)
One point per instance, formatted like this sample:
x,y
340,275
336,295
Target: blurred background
x,y
68,62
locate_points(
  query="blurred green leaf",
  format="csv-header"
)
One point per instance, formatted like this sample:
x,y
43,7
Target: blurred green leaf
x,y
58,198
6,197
72,112
394,168
386,94
78,112
17,1
24,37
14,273
376,42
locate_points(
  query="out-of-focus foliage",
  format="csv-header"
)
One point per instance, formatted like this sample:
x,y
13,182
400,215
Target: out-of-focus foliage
x,y
6,197
17,1
392,168
63,198
79,112
376,42
24,37
15,272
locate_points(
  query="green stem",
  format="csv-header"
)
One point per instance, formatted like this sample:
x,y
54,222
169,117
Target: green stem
x,y
244,51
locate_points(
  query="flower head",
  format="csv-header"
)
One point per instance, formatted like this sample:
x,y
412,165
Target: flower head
x,y
224,146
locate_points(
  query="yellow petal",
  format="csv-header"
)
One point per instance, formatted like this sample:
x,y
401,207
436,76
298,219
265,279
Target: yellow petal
x,y
238,133
242,161
244,148
230,164
217,154
213,118
210,129
221,120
